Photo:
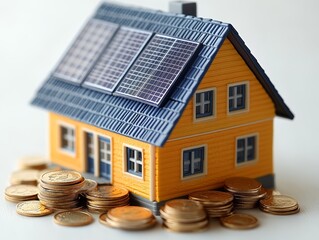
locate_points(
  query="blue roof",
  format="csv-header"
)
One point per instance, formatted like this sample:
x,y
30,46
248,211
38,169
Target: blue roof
x,y
140,120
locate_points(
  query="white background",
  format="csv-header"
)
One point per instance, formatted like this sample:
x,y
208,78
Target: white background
x,y
282,34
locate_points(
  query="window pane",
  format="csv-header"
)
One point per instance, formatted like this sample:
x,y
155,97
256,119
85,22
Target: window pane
x,y
240,156
197,97
231,91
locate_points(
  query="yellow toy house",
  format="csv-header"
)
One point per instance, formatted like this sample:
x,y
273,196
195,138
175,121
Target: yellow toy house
x,y
161,103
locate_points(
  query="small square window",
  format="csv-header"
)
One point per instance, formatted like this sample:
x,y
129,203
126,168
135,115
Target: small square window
x,y
67,136
134,161
246,149
237,95
204,104
193,161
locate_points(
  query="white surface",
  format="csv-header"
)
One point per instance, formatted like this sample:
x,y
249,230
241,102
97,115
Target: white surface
x,y
284,37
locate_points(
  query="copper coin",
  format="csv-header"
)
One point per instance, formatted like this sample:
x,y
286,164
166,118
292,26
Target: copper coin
x,y
239,221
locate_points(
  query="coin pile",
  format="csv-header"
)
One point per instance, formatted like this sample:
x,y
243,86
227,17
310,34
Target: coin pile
x,y
32,209
184,215
19,193
59,190
106,197
216,203
27,176
128,218
279,205
73,218
239,221
33,162
247,191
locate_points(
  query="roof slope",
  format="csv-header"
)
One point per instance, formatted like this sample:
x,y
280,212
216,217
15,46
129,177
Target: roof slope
x,y
139,120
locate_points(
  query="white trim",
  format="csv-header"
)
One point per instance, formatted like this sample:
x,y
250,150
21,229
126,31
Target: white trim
x,y
125,161
247,98
214,106
152,173
59,139
219,130
204,165
245,163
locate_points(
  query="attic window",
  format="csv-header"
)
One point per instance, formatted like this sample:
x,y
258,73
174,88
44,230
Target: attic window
x,y
204,104
237,97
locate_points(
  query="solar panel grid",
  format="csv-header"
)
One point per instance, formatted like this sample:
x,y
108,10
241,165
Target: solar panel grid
x,y
87,47
156,69
116,59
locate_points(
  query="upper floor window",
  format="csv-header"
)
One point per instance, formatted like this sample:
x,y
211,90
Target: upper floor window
x,y
237,97
134,161
246,149
204,104
193,161
67,135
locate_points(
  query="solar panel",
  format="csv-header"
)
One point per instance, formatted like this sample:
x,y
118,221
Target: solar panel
x,y
85,50
156,69
116,59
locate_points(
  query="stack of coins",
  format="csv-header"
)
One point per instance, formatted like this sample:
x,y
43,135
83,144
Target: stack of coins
x,y
59,189
183,215
28,177
128,218
33,162
279,205
216,203
247,191
19,193
106,197
239,221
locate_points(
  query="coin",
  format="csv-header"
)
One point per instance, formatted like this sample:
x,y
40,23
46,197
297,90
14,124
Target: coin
x,y
279,205
88,185
183,207
73,218
108,192
32,209
33,162
242,184
185,227
216,198
239,221
166,216
18,193
61,177
28,176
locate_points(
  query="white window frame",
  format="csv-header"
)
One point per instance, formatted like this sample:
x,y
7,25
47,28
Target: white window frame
x,y
98,136
125,170
247,97
246,162
60,136
204,165
214,110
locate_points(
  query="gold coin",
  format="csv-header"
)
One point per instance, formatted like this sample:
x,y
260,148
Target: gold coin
x,y
182,206
242,184
176,218
277,202
129,214
239,221
73,218
107,192
288,212
186,227
88,185
33,162
32,209
21,191
28,176
61,177
212,197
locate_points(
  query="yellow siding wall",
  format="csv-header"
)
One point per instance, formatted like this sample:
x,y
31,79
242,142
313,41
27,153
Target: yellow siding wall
x,y
78,160
221,161
227,68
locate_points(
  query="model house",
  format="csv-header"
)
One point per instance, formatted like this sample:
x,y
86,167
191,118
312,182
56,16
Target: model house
x,y
161,103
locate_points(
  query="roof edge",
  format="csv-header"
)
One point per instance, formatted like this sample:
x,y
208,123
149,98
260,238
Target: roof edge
x,y
282,109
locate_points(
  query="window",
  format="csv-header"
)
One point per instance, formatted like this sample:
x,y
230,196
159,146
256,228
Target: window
x,y
246,149
134,161
193,161
105,157
204,104
237,97
67,139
